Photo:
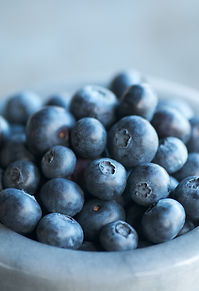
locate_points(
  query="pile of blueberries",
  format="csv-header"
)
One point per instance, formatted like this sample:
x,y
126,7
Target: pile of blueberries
x,y
105,169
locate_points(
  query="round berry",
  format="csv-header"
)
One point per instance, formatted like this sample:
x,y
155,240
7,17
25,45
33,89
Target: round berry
x,y
170,122
20,106
132,141
148,183
187,193
105,179
163,221
172,154
58,162
22,175
118,236
123,80
19,210
94,101
60,230
138,100
48,127
63,196
88,138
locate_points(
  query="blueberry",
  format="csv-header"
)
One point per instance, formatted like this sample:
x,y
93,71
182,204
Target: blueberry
x,y
138,100
123,80
134,215
163,221
48,127
4,130
188,226
148,183
60,99
15,149
118,236
88,138
172,154
132,141
63,196
190,168
180,105
22,175
187,193
193,143
97,213
19,210
173,184
58,162
170,122
20,106
60,230
105,179
94,101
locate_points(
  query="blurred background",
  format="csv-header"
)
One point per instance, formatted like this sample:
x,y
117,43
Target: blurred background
x,y
42,42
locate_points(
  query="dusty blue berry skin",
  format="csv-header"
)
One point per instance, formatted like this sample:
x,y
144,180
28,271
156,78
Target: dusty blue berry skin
x,y
187,193
15,149
4,130
118,236
173,184
63,196
148,183
190,168
188,226
170,122
60,99
58,162
97,213
48,127
94,101
138,100
18,210
132,141
60,230
21,106
105,179
123,80
88,138
172,154
23,175
163,221
193,143
178,104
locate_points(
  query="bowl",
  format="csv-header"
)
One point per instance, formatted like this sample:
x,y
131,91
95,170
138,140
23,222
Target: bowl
x,y
27,265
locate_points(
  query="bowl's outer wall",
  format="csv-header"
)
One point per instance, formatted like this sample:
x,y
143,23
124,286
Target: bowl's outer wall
x,y
26,265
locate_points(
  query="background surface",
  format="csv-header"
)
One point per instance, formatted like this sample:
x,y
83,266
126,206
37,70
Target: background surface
x,y
44,41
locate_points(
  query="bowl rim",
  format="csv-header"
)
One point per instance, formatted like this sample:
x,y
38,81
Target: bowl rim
x,y
53,265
